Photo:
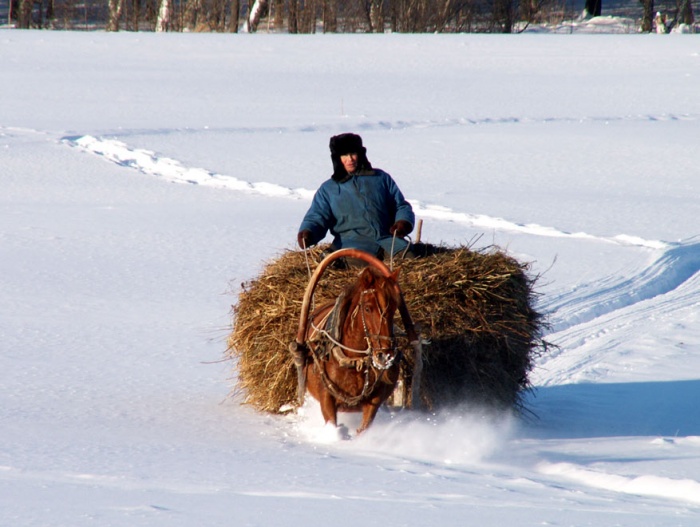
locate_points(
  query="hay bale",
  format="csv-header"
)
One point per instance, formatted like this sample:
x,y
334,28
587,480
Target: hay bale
x,y
473,307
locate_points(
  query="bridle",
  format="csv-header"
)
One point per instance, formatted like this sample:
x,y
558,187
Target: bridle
x,y
391,349
371,354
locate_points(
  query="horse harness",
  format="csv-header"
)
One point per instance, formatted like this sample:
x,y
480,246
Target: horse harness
x,y
324,342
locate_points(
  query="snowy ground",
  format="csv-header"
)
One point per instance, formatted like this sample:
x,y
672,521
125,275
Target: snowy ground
x,y
144,177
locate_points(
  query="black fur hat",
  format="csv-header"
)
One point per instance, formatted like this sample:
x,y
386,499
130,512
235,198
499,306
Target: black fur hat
x,y
347,144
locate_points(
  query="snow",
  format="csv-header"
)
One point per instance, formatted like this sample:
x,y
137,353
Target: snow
x,y
144,177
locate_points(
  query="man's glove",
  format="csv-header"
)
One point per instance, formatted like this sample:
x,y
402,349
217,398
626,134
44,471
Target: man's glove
x,y
304,239
401,228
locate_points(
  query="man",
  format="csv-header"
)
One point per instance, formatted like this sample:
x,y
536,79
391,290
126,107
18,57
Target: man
x,y
361,206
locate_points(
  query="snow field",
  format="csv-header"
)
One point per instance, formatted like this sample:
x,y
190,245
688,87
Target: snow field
x,y
576,153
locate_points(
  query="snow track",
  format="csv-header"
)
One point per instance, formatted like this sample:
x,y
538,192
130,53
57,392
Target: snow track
x,y
171,170
685,490
596,325
669,269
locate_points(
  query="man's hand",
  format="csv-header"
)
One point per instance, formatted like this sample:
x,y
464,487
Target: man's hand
x,y
401,228
304,239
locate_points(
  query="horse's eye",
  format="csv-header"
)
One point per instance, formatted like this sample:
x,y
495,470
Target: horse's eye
x,y
368,309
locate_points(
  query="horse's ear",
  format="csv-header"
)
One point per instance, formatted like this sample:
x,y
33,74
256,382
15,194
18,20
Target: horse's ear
x,y
366,278
395,275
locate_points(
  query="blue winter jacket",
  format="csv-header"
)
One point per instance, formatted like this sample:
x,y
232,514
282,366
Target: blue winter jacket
x,y
359,212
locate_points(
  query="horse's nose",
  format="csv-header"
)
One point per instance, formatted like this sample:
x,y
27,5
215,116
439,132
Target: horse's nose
x,y
384,358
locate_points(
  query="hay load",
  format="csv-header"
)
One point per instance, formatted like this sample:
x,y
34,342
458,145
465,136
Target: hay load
x,y
474,310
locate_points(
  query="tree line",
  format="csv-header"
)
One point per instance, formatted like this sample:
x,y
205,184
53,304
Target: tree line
x,y
310,16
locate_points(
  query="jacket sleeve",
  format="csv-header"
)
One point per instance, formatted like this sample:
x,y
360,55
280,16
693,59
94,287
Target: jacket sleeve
x,y
319,218
404,211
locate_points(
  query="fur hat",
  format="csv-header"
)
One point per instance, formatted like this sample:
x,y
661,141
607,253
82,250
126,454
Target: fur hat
x,y
347,144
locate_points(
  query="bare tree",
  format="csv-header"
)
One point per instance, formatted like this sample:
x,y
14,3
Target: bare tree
x,y
405,16
292,17
257,10
460,15
24,16
376,16
647,15
330,16
133,14
594,7
302,16
217,15
235,16
115,12
193,11
278,14
165,13
685,12
306,15
49,14
150,13
503,16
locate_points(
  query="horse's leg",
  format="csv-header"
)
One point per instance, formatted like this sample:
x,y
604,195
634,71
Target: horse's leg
x,y
369,411
329,408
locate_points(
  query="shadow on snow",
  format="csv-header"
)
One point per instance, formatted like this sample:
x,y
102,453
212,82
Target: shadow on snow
x,y
615,410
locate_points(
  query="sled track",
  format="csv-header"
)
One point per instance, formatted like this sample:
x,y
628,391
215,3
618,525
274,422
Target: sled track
x,y
675,265
603,333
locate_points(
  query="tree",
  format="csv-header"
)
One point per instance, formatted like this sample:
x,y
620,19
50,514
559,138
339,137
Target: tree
x,y
376,16
217,15
235,16
193,8
307,14
503,16
24,17
302,16
49,14
685,12
164,15
115,13
330,16
594,7
133,16
647,15
279,14
257,10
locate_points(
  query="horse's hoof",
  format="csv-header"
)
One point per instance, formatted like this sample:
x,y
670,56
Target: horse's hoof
x,y
331,433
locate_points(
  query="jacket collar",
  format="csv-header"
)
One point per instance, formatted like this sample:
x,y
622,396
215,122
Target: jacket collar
x,y
342,178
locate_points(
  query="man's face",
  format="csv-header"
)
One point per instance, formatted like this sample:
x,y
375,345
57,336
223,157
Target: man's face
x,y
349,161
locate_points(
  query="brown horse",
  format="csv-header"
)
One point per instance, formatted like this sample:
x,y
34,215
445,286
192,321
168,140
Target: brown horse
x,y
345,352
346,349
354,361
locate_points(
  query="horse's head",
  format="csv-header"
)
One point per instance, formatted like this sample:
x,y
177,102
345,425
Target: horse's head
x,y
375,299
